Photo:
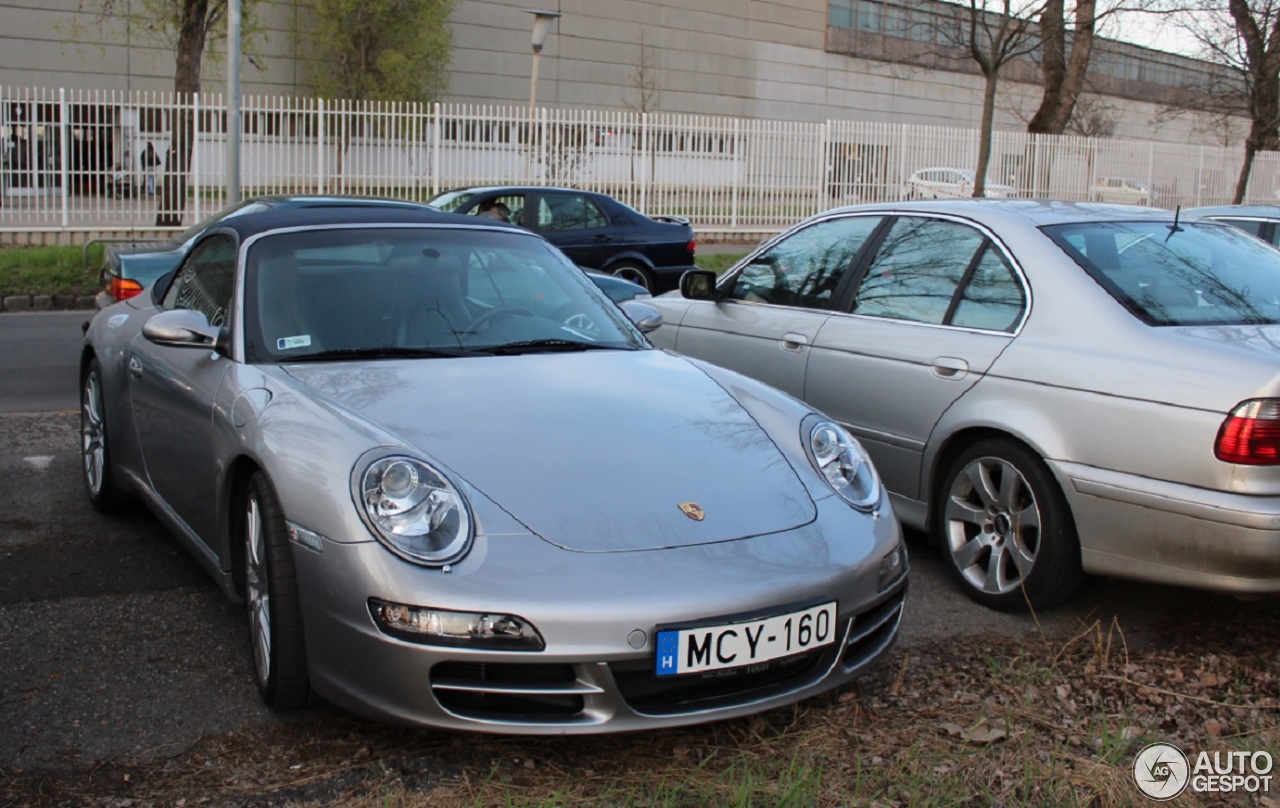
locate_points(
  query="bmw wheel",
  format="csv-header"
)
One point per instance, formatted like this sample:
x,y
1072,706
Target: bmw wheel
x,y
1006,528
271,596
637,274
99,476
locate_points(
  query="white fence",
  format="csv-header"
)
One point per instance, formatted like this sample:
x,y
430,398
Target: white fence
x,y
79,160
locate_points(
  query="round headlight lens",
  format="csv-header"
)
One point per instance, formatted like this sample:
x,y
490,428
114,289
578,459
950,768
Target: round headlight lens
x,y
844,464
416,510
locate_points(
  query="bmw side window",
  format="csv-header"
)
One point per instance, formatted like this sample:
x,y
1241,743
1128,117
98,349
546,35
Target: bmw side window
x,y
918,270
993,298
205,281
805,269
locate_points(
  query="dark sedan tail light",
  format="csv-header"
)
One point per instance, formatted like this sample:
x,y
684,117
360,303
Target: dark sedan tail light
x,y
1251,434
123,288
692,246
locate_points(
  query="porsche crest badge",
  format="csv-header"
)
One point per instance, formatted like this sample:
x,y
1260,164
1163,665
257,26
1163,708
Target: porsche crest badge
x,y
693,510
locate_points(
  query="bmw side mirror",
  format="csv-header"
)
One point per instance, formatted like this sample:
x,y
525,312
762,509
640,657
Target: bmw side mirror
x,y
698,284
642,315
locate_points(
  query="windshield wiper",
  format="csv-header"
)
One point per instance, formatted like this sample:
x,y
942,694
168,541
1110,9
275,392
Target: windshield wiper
x,y
384,353
550,345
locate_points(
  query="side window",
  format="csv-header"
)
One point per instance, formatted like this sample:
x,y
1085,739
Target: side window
x,y
993,298
918,269
571,212
206,280
805,269
1252,227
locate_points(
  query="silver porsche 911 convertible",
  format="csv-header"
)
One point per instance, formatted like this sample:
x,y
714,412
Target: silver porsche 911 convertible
x,y
456,486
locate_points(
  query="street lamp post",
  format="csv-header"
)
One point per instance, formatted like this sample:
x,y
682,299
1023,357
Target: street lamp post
x,y
541,30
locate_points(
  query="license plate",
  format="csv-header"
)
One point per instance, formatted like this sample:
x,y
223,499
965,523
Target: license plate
x,y
733,645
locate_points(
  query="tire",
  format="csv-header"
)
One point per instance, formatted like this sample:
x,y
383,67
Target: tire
x,y
1006,528
278,650
95,450
637,274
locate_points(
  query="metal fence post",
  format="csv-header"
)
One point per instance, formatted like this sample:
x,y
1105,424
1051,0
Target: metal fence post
x,y
195,156
320,126
738,157
63,152
434,145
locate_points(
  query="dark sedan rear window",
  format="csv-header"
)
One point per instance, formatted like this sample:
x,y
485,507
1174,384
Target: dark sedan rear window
x,y
1198,273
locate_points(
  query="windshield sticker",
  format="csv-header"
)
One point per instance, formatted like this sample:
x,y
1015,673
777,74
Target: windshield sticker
x,y
287,343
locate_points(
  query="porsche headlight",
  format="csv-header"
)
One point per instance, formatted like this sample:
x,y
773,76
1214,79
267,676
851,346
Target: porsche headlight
x,y
844,464
415,510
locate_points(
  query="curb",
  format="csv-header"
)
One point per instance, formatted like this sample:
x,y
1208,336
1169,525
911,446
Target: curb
x,y
18,303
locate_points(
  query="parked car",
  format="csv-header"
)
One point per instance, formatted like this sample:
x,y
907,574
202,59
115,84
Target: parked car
x,y
595,230
447,503
1123,191
1049,388
950,183
1262,221
129,268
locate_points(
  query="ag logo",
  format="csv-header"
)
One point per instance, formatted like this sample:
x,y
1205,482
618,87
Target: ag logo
x,y
1161,771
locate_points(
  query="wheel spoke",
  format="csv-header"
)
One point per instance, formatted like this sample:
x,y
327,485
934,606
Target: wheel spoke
x,y
1011,485
91,434
996,580
961,511
257,593
967,555
979,475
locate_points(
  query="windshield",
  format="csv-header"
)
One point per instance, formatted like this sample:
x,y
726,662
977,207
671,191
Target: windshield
x,y
1198,273
387,292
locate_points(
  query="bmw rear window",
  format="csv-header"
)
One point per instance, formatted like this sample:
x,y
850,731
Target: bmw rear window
x,y
1197,273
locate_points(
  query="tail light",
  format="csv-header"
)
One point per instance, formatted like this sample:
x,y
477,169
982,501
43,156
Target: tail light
x,y
123,288
1251,434
692,245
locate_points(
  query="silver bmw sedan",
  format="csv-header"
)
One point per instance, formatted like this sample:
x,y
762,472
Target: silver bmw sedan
x,y
1050,389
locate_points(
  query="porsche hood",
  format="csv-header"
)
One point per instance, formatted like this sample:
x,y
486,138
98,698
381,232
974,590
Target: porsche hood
x,y
603,451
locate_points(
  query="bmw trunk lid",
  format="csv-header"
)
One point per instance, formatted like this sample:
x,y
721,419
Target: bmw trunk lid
x,y
604,451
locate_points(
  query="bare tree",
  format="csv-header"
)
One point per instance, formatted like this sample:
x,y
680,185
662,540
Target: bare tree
x,y
644,85
993,33
185,27
1242,37
1064,62
1092,117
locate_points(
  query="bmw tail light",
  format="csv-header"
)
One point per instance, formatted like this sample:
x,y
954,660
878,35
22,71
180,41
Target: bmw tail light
x,y
1251,434
123,288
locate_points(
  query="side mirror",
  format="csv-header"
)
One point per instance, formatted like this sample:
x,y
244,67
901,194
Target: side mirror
x,y
698,284
184,328
645,317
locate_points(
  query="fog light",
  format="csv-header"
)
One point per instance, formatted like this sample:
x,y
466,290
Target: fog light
x,y
419,624
893,566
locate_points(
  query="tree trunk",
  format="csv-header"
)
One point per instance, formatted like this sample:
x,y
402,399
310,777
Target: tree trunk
x,y
1242,183
1063,77
186,83
984,134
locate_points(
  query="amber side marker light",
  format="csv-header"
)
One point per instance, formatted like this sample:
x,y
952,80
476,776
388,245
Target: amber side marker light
x,y
123,288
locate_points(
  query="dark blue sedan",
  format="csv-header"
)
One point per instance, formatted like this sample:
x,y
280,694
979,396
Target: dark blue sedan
x,y
595,230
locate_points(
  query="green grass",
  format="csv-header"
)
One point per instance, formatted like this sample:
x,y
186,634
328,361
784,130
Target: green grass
x,y
49,270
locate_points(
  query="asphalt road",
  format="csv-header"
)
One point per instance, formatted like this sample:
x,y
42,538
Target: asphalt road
x,y
113,644
38,356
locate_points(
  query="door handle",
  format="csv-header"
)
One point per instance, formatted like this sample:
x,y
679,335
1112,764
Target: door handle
x,y
791,341
603,238
135,366
950,367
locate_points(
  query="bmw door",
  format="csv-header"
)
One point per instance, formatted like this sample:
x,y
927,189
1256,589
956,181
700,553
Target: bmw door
x,y
932,309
